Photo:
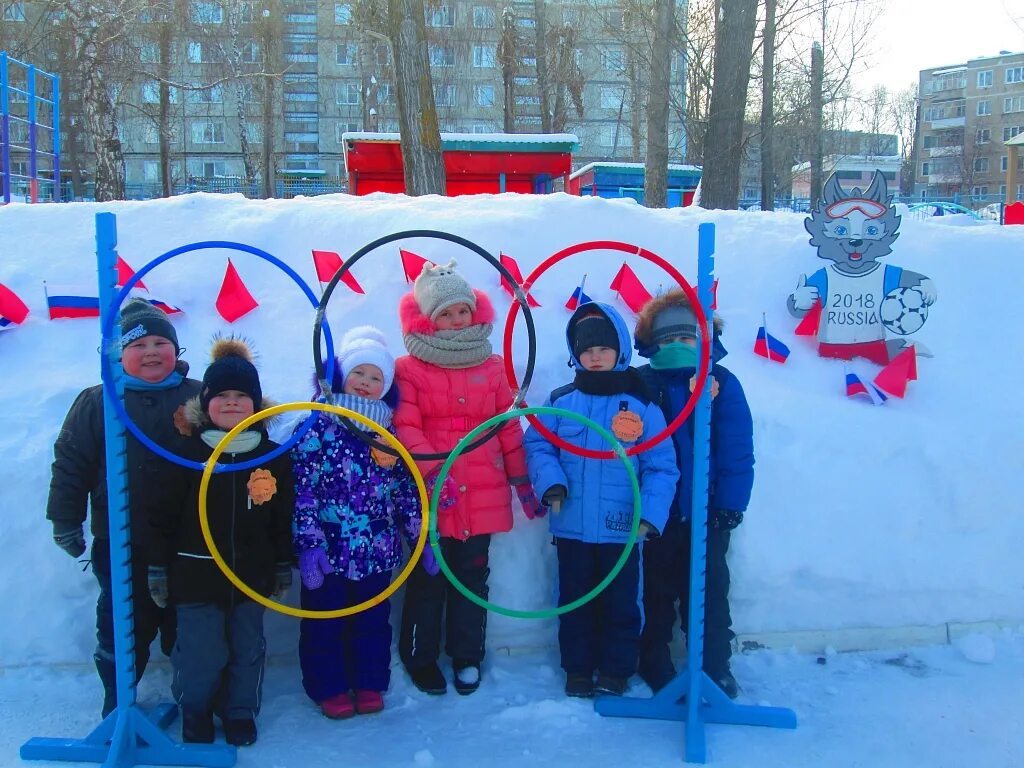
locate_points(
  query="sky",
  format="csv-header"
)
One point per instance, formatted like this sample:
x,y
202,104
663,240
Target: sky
x,y
913,35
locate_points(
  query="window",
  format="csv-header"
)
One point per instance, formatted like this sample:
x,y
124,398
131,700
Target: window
x,y
383,55
247,11
441,56
251,52
1010,131
248,94
613,59
484,55
212,95
385,94
984,107
611,98
14,11
203,12
207,132
342,13
483,128
925,169
1004,163
981,165
444,95
149,53
983,136
346,55
979,191
525,82
151,93
203,53
304,136
348,93
213,169
150,133
18,132
151,171
528,100
346,127
1013,104
613,19
483,17
1015,75
484,96
985,78
613,135
441,16
572,17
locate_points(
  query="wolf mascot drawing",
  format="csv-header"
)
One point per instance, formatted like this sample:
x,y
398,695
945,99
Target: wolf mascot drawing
x,y
853,230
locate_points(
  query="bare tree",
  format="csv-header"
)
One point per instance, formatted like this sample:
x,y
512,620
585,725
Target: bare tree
x,y
734,39
768,108
508,58
903,107
656,163
422,161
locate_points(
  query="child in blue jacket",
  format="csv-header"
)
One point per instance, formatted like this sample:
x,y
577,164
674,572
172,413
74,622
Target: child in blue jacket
x,y
592,500
666,333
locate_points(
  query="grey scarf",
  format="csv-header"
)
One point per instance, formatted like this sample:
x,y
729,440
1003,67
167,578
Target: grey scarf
x,y
376,410
243,442
452,349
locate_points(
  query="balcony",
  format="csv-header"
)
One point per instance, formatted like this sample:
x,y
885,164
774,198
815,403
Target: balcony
x,y
951,151
948,177
949,122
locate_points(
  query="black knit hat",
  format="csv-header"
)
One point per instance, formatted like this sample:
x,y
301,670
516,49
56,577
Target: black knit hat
x,y
231,368
593,330
139,318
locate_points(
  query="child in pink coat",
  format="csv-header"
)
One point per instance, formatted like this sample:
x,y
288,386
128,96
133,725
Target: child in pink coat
x,y
450,383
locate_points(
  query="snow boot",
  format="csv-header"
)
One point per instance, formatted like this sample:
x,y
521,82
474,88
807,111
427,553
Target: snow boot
x,y
338,707
369,702
728,684
197,727
467,677
240,731
429,679
579,686
610,685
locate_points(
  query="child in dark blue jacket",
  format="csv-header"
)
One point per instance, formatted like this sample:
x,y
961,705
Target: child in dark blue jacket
x,y
592,500
666,333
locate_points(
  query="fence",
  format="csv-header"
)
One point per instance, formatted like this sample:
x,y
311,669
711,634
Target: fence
x,y
20,153
283,188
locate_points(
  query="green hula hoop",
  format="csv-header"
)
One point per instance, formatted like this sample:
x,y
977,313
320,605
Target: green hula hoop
x,y
619,564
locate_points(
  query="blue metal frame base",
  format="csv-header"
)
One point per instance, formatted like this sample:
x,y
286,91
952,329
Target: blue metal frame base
x,y
130,736
715,707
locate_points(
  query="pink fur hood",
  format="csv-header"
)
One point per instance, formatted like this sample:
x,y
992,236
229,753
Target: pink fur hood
x,y
414,321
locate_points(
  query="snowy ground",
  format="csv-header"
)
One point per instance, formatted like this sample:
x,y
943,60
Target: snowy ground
x,y
918,707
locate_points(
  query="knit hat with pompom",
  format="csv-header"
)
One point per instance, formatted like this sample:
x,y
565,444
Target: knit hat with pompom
x,y
231,368
366,344
439,287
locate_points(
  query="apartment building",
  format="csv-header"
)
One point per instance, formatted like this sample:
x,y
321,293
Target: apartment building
x,y
333,75
966,114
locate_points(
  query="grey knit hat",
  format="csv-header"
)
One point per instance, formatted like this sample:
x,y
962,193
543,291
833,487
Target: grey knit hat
x,y
674,321
139,318
439,287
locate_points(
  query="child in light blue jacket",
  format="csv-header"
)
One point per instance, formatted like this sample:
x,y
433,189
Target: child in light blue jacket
x,y
592,499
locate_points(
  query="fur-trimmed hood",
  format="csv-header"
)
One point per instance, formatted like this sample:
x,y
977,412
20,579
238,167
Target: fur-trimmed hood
x,y
414,321
194,418
645,345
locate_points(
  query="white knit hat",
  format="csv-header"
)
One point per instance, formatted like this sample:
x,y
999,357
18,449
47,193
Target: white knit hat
x,y
366,344
439,287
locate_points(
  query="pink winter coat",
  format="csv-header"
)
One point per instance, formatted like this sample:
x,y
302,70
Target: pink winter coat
x,y
439,406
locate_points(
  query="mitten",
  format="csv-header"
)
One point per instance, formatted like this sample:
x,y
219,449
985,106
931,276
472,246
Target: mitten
x,y
528,498
725,519
449,490
282,580
158,585
554,497
71,541
430,564
647,531
313,564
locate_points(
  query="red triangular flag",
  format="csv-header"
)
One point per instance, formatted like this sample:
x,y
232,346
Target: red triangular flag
x,y
510,264
327,264
630,289
125,273
234,299
412,264
811,322
11,307
902,369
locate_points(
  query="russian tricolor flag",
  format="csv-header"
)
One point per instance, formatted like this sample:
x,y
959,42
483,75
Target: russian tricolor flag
x,y
168,309
65,301
768,346
578,296
855,385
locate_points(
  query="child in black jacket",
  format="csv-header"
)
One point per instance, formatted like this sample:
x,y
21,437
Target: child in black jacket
x,y
219,657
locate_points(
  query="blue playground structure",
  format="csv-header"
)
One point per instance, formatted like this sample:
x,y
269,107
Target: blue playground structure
x,y
29,131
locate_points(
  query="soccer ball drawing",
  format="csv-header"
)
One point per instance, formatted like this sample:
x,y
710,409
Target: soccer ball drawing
x,y
903,311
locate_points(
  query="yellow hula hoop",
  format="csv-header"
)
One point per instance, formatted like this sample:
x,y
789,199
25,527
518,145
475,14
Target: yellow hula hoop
x,y
273,605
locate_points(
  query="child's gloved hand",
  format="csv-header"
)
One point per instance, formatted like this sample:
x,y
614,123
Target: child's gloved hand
x,y
647,531
282,580
449,490
71,541
554,497
158,585
430,564
725,519
313,565
528,498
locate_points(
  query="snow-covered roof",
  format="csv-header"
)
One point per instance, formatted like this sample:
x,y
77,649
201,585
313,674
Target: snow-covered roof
x,y
1016,141
855,162
950,70
474,138
631,167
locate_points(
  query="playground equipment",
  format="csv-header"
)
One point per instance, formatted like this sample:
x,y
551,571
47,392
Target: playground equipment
x,y
20,128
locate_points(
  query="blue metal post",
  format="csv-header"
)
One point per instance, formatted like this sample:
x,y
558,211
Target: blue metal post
x,y
58,193
128,736
692,696
5,129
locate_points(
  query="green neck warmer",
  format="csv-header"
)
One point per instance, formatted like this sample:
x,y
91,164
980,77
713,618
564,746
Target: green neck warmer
x,y
674,355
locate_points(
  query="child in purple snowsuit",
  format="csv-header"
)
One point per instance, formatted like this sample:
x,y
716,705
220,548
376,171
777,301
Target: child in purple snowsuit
x,y
350,502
